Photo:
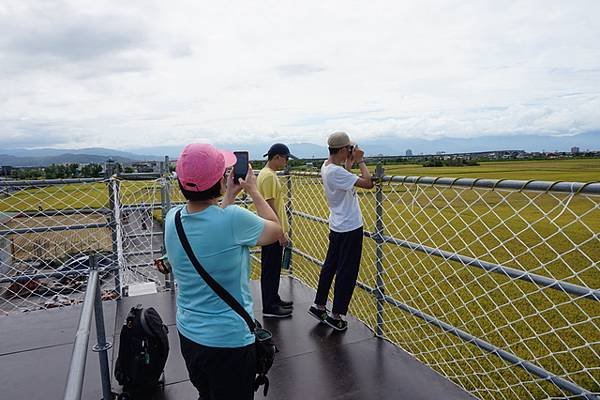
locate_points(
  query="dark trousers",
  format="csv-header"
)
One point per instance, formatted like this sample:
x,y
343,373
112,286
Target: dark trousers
x,y
343,261
270,262
220,373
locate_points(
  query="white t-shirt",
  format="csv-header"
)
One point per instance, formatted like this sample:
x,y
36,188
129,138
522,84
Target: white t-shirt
x,y
339,187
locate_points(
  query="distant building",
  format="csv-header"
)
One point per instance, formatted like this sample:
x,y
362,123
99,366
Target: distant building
x,y
409,153
574,150
146,166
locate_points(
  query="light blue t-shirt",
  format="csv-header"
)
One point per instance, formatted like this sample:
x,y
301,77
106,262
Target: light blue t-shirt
x,y
220,238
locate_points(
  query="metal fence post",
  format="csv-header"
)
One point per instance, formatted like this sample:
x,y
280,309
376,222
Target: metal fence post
x,y
115,229
288,212
165,201
379,285
102,345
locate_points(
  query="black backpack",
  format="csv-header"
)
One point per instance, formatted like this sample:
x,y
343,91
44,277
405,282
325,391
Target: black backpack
x,y
143,352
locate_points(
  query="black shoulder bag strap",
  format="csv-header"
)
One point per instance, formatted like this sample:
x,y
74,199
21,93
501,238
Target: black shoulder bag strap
x,y
214,285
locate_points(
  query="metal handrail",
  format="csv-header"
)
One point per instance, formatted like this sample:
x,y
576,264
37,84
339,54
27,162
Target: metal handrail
x,y
92,302
541,186
56,228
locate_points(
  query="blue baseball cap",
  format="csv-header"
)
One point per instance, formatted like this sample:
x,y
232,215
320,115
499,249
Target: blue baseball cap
x,y
280,149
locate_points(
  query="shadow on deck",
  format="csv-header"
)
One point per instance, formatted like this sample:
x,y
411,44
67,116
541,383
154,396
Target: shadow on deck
x,y
313,363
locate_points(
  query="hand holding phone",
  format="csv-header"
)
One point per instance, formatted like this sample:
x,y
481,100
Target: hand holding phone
x,y
240,169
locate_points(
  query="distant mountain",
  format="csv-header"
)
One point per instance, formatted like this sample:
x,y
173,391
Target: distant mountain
x,y
95,151
58,159
386,145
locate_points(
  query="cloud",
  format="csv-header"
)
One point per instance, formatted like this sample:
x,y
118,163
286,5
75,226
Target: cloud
x,y
112,73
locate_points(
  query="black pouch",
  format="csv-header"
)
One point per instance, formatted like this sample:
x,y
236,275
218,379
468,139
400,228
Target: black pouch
x,y
265,355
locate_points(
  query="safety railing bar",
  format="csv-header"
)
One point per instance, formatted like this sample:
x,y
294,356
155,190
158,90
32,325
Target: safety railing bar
x,y
482,344
145,234
137,207
543,281
49,182
74,384
538,186
57,228
52,213
543,186
83,272
138,176
141,253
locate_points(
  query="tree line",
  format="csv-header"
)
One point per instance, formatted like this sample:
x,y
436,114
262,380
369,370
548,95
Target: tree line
x,y
59,171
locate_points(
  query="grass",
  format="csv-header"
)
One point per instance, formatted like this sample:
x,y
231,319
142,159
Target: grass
x,y
554,235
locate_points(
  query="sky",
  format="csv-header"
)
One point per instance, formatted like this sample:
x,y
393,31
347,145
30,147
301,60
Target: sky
x,y
141,73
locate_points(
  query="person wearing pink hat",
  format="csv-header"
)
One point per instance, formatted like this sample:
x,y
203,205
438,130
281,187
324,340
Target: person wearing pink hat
x,y
216,344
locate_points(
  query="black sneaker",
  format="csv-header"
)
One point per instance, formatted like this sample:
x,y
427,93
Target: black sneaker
x,y
286,304
277,312
337,324
320,315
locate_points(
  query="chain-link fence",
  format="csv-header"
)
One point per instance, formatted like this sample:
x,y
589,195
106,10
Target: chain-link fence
x,y
494,284
49,228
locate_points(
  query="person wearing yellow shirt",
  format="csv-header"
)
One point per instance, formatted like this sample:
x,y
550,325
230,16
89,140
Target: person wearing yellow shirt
x,y
270,188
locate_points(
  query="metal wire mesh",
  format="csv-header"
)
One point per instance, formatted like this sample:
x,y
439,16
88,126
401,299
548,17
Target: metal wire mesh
x,y
48,230
46,233
426,285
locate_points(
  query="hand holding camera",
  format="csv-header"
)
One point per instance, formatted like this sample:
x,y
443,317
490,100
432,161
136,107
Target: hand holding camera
x,y
358,154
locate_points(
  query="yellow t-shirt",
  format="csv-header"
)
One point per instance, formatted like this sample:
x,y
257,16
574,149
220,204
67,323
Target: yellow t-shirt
x,y
270,187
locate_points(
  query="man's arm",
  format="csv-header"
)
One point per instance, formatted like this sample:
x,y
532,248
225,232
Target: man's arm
x,y
283,240
365,180
271,202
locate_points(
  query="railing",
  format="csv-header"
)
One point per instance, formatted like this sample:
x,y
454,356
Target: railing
x,y
48,226
92,303
494,284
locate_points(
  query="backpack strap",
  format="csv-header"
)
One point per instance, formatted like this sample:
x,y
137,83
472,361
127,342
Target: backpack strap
x,y
214,285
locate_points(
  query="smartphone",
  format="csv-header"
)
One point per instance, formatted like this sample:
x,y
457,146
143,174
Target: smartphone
x,y
240,169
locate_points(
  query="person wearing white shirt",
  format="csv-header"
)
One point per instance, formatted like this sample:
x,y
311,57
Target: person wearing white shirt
x,y
345,229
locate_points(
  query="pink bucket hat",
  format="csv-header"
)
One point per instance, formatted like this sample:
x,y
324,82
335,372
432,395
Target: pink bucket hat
x,y
201,165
